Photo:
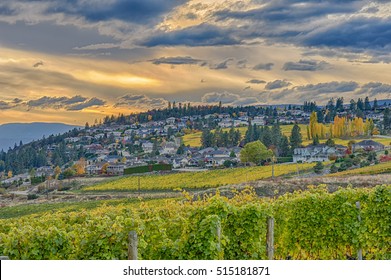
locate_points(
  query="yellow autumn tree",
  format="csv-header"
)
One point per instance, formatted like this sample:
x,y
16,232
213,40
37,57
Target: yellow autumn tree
x,y
313,125
104,168
369,127
57,171
80,166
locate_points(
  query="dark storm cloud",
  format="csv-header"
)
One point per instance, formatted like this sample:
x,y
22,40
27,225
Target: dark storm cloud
x,y
229,99
141,101
358,32
75,103
134,11
5,105
241,64
39,63
264,66
177,60
305,65
200,35
374,88
6,10
255,81
330,87
221,65
321,91
47,101
290,11
17,100
277,84
75,99
89,103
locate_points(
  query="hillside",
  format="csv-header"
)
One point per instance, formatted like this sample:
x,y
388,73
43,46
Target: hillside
x,y
12,133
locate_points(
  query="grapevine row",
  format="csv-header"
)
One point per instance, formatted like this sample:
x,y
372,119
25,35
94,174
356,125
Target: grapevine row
x,y
308,225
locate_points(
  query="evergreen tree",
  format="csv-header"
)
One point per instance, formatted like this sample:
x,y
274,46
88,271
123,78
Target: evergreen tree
x,y
353,106
249,137
267,137
330,142
318,168
315,140
339,104
276,134
283,146
360,104
333,169
296,137
207,138
367,105
387,119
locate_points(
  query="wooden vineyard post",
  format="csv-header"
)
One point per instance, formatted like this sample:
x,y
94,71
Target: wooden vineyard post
x,y
270,238
359,251
132,246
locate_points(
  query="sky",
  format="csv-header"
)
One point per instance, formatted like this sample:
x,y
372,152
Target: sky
x,y
76,61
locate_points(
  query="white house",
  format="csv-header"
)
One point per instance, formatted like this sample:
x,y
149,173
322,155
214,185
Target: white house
x,y
147,147
313,153
170,120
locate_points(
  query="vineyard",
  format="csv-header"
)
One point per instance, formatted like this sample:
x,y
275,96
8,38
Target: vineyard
x,y
195,180
313,224
380,168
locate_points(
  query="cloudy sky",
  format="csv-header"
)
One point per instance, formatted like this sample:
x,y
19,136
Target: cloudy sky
x,y
78,60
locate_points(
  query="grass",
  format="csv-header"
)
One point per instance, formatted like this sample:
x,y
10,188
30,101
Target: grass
x,y
198,180
380,168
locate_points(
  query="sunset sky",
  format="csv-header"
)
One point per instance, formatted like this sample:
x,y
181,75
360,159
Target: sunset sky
x,y
74,61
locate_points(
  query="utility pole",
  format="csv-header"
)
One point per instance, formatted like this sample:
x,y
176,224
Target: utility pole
x,y
273,160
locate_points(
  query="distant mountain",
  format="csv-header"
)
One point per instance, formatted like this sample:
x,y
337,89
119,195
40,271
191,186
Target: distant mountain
x,y
12,133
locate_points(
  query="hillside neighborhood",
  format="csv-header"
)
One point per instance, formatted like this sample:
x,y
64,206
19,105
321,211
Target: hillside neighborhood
x,y
111,148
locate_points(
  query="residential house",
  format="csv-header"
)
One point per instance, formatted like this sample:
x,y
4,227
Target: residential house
x,y
72,139
44,171
168,148
225,123
258,120
115,169
95,168
170,120
147,147
313,153
368,145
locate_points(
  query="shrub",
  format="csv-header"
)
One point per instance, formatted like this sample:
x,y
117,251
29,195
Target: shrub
x,y
32,196
318,168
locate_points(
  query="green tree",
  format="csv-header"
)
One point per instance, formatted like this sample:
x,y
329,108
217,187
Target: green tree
x,y
367,105
249,136
283,146
267,137
330,142
315,141
387,119
255,152
333,169
207,138
296,138
318,168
